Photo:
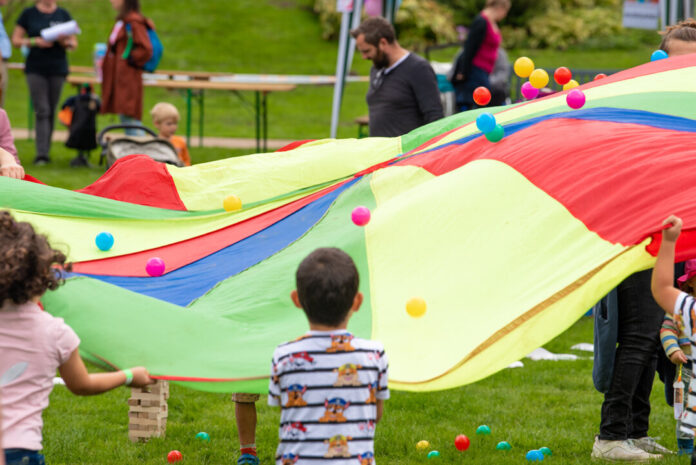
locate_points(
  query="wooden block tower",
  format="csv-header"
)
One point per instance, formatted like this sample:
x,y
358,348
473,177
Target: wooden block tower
x,y
147,414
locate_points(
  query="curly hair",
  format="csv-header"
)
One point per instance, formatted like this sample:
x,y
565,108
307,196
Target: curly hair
x,y
685,30
26,262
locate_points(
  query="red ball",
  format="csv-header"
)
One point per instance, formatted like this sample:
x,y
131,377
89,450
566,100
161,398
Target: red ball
x,y
461,442
600,76
174,456
482,96
562,75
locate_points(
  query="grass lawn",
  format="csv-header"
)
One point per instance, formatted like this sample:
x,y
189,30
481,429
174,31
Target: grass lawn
x,y
549,404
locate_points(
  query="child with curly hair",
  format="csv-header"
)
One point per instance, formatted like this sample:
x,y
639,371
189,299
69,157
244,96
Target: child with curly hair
x,y
679,39
34,344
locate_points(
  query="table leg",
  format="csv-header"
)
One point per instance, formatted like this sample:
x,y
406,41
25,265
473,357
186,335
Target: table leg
x,y
188,117
265,121
258,122
201,107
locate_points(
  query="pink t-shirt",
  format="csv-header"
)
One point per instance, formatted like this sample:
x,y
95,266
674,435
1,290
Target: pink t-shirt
x,y
6,139
488,52
44,342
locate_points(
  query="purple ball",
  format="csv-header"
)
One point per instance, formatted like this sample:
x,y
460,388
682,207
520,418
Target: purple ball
x,y
529,91
360,216
575,99
155,267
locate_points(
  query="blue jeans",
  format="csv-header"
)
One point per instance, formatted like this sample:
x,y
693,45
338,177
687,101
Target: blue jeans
x,y
23,457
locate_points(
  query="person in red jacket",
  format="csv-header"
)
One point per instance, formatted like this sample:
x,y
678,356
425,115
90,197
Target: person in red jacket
x,y
128,50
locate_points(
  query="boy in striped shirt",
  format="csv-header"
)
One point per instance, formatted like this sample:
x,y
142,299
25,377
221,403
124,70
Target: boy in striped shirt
x,y
330,385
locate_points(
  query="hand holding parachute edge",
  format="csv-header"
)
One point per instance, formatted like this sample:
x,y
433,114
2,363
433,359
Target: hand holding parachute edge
x,y
672,228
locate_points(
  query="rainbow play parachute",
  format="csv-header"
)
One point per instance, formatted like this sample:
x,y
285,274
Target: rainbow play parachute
x,y
508,243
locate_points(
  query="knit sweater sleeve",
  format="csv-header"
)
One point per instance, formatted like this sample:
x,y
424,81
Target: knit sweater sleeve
x,y
669,335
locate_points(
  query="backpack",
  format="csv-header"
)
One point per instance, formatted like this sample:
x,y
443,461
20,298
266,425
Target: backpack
x,y
157,48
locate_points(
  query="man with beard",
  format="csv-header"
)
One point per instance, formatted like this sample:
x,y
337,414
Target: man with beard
x,y
403,93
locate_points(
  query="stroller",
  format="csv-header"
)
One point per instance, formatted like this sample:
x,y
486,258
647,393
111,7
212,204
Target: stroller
x,y
117,146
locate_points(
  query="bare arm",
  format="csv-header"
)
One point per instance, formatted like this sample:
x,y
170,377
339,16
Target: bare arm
x,y
380,409
20,39
81,383
9,166
662,284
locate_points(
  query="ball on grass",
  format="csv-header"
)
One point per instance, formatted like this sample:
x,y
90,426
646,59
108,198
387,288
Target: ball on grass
x,y
485,122
523,67
416,307
534,456
496,135
482,96
422,445
104,241
503,445
433,454
461,442
155,267
546,451
203,436
483,429
174,456
360,216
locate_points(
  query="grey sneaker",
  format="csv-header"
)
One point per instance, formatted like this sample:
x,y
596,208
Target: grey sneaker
x,y
620,451
650,445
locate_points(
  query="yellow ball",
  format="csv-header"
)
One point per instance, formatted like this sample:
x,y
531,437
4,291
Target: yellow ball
x,y
524,67
539,78
572,84
416,307
422,445
232,203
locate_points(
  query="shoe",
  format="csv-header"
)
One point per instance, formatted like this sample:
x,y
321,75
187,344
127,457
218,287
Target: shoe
x,y
620,451
649,444
78,162
248,459
41,161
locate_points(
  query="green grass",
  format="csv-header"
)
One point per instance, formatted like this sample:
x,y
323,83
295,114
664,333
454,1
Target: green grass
x,y
549,404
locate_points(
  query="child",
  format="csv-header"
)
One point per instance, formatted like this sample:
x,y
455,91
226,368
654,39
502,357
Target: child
x,y
83,109
681,305
34,344
330,385
679,39
165,117
678,349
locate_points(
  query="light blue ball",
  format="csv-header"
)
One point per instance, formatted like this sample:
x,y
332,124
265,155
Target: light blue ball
x,y
485,122
534,456
658,55
104,241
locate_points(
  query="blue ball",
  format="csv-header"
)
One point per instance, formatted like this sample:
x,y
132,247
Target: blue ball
x,y
104,241
485,122
658,55
534,456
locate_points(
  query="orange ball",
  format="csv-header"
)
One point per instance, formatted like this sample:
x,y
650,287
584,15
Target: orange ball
x,y
600,76
482,96
562,76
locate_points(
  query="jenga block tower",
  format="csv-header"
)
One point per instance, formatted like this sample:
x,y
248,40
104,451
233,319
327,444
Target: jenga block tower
x,y
147,413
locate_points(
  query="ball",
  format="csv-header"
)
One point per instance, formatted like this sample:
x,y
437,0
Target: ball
x,y
539,78
174,456
575,99
485,122
104,241
599,76
232,203
461,442
503,445
422,445
658,55
562,75
433,454
496,135
203,436
523,67
155,267
360,216
529,91
416,307
482,96
546,451
534,456
572,84
483,429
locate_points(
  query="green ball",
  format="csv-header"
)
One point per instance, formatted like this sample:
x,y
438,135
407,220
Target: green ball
x,y
483,429
546,451
433,454
203,436
497,134
503,445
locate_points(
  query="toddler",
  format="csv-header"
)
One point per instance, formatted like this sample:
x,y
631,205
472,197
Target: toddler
x,y
165,117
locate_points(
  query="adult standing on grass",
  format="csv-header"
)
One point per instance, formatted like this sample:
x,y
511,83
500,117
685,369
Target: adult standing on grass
x,y
128,50
476,61
5,54
45,68
403,93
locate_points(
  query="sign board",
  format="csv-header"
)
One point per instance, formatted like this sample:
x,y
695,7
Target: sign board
x,y
344,6
643,14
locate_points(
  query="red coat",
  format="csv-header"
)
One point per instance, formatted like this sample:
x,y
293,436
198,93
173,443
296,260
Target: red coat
x,y
122,80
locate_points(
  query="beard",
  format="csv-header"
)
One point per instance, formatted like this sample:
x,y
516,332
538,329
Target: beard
x,y
380,61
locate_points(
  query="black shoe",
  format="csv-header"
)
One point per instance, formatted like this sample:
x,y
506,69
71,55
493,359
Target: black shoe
x,y
40,161
79,161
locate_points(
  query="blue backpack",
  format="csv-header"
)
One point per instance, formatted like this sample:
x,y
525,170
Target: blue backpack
x,y
157,48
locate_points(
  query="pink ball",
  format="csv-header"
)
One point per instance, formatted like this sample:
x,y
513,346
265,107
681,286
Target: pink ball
x,y
155,267
575,99
360,216
529,91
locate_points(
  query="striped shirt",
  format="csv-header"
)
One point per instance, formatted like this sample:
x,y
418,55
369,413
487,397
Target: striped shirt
x,y
672,337
684,310
328,384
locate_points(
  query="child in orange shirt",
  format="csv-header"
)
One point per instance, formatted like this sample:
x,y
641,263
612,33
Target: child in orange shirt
x,y
165,117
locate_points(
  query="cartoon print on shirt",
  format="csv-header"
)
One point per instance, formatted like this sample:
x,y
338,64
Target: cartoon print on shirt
x,y
295,393
338,446
295,430
348,375
289,459
372,399
334,410
367,427
366,458
341,343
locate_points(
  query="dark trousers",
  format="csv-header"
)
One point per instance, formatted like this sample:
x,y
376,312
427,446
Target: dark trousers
x,y
464,91
23,457
626,407
45,94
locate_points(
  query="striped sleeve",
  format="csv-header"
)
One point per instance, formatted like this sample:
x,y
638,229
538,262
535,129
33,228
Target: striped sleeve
x,y
274,394
669,335
684,308
382,385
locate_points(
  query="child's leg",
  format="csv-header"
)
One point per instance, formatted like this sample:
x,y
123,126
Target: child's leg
x,y
685,441
245,414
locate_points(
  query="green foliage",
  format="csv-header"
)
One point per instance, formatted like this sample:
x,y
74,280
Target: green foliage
x,y
418,22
